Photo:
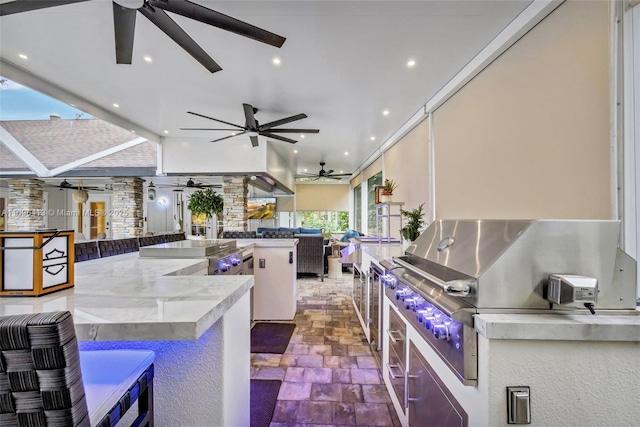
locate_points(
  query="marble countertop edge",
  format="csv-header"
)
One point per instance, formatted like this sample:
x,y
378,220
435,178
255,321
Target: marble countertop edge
x,y
559,327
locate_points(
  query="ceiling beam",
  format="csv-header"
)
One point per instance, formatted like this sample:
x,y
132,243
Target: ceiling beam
x,y
96,156
22,153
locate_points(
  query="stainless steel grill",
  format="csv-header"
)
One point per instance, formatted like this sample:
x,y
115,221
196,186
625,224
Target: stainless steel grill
x,y
458,268
223,255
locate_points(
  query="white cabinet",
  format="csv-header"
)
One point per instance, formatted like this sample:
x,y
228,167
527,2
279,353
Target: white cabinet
x,y
274,295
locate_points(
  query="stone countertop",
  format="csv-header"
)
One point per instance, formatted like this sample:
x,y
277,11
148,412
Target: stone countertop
x,y
266,243
127,298
565,327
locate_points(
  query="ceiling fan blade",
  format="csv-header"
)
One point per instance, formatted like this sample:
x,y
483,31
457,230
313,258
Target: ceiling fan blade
x,y
27,6
161,20
270,125
329,172
220,20
124,25
295,130
228,130
254,140
216,120
250,119
227,137
281,138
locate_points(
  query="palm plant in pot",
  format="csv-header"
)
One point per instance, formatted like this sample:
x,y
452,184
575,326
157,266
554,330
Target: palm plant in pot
x,y
205,202
387,190
411,231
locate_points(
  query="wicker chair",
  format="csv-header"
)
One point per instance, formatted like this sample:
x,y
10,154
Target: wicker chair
x,y
46,381
311,254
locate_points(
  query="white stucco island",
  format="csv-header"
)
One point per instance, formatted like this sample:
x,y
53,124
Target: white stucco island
x,y
198,326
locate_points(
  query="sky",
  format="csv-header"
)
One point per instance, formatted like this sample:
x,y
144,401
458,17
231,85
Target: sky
x,y
18,102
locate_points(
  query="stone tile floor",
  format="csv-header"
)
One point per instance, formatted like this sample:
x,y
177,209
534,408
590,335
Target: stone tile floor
x,y
330,377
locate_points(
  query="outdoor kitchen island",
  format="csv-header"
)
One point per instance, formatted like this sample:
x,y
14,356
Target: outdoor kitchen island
x,y
473,357
198,327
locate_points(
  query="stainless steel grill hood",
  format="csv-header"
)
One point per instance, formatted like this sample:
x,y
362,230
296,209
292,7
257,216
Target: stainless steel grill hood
x,y
506,264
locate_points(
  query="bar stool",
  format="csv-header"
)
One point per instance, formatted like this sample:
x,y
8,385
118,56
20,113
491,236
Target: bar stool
x,y
46,381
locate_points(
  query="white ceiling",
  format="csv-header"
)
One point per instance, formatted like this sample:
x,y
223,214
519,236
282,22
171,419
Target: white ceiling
x,y
343,63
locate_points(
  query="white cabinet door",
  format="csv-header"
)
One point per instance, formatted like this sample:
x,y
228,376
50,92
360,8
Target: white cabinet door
x,y
274,295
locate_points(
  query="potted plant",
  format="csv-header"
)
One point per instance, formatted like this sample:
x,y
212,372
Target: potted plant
x,y
205,202
411,231
387,190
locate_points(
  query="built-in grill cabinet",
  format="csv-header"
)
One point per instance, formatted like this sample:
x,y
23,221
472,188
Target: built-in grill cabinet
x,y
456,269
397,344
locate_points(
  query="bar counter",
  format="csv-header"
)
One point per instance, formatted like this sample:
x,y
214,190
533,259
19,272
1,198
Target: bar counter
x,y
198,326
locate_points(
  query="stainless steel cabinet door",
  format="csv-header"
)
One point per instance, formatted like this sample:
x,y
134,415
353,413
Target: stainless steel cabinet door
x,y
430,402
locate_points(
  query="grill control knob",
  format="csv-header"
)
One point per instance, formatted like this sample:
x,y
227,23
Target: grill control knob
x,y
441,332
410,303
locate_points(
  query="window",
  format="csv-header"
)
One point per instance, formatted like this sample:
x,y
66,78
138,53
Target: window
x,y
371,200
329,221
357,208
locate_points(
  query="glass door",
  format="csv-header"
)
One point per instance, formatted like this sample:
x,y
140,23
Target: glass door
x,y
97,220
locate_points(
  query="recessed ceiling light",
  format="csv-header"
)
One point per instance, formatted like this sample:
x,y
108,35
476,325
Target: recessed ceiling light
x,y
305,170
116,105
385,113
23,56
341,171
233,134
276,61
373,138
346,153
166,131
147,58
301,136
295,151
411,63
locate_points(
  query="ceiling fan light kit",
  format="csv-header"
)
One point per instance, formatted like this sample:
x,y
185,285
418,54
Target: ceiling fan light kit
x,y
323,174
254,129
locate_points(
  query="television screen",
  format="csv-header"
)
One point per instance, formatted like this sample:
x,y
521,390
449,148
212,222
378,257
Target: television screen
x,y
261,207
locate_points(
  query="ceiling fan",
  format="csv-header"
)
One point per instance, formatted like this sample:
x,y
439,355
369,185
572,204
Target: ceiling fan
x,y
66,185
323,174
189,184
124,22
253,128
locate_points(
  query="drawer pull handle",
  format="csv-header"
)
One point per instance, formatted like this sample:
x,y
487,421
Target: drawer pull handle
x,y
390,368
393,338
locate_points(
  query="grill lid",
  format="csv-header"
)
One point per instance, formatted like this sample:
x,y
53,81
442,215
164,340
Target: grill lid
x,y
506,263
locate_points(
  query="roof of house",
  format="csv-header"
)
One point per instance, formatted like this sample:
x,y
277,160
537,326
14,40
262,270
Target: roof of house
x,y
58,142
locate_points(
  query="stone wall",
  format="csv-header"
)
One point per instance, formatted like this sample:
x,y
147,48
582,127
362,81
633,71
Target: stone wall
x,y
235,190
127,207
25,210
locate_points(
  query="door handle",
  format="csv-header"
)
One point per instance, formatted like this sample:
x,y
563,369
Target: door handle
x,y
390,369
290,257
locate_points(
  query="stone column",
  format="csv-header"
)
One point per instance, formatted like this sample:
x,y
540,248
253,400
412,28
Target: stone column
x,y
127,207
235,192
25,210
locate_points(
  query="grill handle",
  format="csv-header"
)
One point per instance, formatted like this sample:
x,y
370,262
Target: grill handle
x,y
455,288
